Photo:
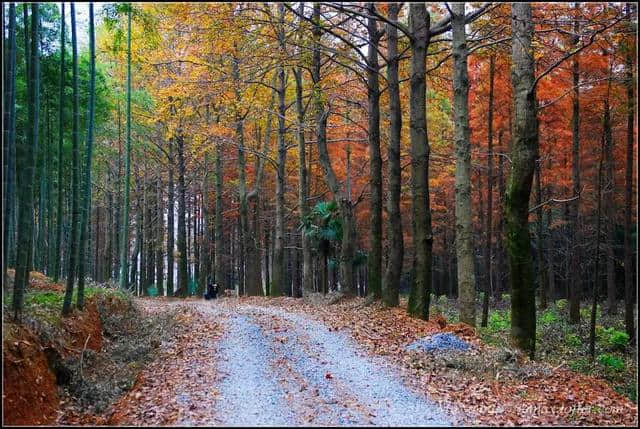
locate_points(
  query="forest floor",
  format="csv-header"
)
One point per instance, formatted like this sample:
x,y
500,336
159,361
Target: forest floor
x,y
283,361
263,365
280,361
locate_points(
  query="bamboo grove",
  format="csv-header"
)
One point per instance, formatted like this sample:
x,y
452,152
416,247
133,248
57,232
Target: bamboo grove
x,y
376,149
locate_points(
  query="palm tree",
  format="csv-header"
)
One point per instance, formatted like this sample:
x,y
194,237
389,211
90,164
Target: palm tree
x,y
323,228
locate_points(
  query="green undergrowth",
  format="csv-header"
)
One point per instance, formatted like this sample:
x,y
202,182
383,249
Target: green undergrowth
x,y
559,343
45,306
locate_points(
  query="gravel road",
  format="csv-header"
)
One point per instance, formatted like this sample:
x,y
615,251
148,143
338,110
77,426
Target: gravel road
x,y
283,369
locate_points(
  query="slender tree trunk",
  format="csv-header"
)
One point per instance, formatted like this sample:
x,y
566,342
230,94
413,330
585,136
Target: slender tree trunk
x,y
50,215
88,158
196,241
488,248
346,209
303,189
158,238
278,286
124,240
628,200
253,278
391,284
575,283
553,293
149,205
170,231
596,277
183,277
242,183
206,246
375,159
610,208
421,209
267,271
109,247
75,178
219,238
542,269
464,221
144,236
26,164
500,269
139,245
523,156
9,141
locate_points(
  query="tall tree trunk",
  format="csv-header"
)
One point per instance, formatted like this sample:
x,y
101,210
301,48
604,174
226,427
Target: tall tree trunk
x,y
141,184
575,283
75,177
347,252
87,163
628,200
303,189
9,140
170,226
139,246
421,209
50,215
464,221
278,286
117,220
253,278
26,164
108,260
523,156
183,277
391,284
205,272
158,238
242,181
542,269
220,262
551,275
375,159
149,204
596,277
488,248
124,239
500,269
610,208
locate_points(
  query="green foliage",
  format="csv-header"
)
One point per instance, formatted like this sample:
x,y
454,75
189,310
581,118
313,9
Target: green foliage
x,y
585,313
506,297
323,227
548,317
152,291
561,304
45,299
619,340
581,364
572,340
612,338
611,362
630,390
499,321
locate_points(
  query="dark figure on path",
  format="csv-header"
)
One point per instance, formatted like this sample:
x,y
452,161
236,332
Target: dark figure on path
x,y
212,290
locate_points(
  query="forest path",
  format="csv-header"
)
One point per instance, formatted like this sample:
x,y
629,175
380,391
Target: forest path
x,y
280,368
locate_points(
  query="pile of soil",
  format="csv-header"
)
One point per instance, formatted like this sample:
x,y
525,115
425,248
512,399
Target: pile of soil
x,y
38,356
29,392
